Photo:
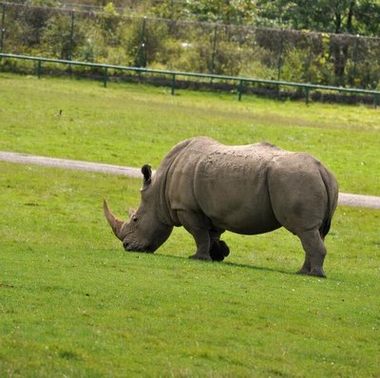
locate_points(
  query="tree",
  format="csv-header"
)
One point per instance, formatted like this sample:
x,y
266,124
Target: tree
x,y
335,16
225,11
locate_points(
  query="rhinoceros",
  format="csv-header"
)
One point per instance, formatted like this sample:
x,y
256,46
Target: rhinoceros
x,y
208,188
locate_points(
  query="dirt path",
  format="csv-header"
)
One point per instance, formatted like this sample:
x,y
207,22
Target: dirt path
x,y
346,199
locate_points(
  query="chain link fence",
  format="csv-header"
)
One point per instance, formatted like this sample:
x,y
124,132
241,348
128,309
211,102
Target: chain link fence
x,y
108,37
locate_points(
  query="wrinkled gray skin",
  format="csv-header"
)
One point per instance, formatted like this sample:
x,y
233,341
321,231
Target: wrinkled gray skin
x,y
209,188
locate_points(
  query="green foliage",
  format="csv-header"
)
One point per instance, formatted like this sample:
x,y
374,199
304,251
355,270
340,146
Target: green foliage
x,y
184,56
61,38
344,16
293,68
114,37
229,12
109,23
144,39
226,60
308,59
94,48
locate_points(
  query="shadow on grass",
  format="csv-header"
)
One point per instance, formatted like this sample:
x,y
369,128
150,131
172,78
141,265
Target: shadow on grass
x,y
261,268
227,263
232,264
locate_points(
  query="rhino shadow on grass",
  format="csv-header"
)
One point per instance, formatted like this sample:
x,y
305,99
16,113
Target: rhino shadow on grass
x,y
209,188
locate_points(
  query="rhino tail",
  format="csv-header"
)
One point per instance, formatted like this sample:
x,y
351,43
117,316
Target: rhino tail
x,y
325,228
332,199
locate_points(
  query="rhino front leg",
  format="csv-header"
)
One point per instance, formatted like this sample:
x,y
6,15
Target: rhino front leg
x,y
315,252
197,225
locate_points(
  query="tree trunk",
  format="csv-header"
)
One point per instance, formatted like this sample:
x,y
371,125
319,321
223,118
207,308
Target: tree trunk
x,y
340,50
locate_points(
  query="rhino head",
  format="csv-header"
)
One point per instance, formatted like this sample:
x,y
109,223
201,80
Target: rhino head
x,y
145,231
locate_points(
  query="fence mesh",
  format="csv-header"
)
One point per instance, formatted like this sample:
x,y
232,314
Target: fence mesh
x,y
300,56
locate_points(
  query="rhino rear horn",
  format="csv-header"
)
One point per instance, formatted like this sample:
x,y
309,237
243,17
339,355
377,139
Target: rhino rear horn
x,y
115,223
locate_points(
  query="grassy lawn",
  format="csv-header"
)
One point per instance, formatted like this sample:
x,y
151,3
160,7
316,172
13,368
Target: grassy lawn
x,y
136,124
74,304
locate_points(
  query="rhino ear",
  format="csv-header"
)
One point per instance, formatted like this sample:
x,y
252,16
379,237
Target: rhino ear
x,y
147,172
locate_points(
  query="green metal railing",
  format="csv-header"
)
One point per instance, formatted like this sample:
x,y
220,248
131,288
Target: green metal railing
x,y
240,81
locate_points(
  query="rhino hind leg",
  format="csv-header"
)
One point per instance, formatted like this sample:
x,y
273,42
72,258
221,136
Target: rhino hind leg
x,y
315,252
219,250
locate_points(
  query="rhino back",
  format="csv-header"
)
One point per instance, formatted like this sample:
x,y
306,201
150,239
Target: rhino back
x,y
226,183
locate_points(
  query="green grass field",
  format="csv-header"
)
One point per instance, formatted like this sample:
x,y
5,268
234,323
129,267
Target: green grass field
x,y
73,304
133,125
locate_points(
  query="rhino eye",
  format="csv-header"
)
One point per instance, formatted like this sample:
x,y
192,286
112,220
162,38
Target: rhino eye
x,y
134,219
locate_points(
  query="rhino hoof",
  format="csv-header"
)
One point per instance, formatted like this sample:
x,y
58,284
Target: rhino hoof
x,y
303,271
316,272
200,257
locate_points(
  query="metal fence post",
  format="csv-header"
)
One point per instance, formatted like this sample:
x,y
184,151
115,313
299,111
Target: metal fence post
x,y
173,85
307,95
240,90
2,30
39,69
280,58
351,79
213,55
308,62
71,36
142,54
171,9
105,77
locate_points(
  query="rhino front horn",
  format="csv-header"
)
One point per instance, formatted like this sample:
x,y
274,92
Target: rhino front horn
x,y
115,223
